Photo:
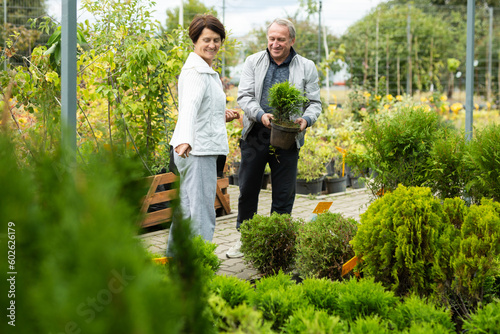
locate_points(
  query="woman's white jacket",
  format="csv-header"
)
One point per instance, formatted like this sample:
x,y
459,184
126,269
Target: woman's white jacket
x,y
202,109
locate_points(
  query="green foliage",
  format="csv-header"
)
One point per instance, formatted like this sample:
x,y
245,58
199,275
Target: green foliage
x,y
278,297
269,242
311,321
485,320
323,245
76,251
287,102
373,324
238,319
364,297
414,311
232,289
313,158
399,241
399,145
484,162
477,256
321,293
206,256
447,173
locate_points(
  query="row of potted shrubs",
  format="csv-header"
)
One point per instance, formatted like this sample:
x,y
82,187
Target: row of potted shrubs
x,y
416,147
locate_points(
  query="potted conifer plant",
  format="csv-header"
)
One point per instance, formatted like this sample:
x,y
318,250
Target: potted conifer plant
x,y
287,102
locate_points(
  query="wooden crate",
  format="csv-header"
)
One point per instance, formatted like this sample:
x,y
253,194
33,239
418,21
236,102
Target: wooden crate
x,y
221,204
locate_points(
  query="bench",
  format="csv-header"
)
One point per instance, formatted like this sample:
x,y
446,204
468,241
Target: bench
x,y
164,215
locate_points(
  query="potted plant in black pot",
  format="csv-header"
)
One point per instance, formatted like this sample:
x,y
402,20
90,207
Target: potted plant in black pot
x,y
311,167
337,181
287,102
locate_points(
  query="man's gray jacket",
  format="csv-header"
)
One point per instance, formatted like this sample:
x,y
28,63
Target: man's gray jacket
x,y
303,75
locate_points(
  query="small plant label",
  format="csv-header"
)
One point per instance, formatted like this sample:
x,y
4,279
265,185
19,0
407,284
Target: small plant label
x,y
322,207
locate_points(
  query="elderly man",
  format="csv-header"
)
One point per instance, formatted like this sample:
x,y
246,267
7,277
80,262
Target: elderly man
x,y
278,63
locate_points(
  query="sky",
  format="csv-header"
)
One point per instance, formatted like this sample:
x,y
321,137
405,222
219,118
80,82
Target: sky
x,y
241,16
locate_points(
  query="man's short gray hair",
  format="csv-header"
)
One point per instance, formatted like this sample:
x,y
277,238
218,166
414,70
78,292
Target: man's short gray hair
x,y
284,22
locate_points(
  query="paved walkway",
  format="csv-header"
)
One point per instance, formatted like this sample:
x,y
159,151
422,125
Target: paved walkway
x,y
351,204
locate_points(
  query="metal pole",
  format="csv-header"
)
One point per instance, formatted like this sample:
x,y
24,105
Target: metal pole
x,y
224,23
68,75
409,74
376,53
319,32
490,48
469,69
5,32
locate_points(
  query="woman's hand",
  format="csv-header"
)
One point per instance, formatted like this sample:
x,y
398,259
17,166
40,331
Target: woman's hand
x,y
232,114
183,150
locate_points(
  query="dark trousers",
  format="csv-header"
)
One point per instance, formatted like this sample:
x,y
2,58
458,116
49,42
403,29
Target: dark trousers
x,y
255,154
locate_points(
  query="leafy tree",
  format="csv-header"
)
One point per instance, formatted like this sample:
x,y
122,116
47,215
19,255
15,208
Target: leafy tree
x,y
190,10
432,38
16,34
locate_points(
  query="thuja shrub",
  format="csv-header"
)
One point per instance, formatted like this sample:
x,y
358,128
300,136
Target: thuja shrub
x,y
477,256
398,145
269,243
321,293
232,289
485,320
242,318
206,256
447,173
278,297
484,163
82,266
309,320
323,245
373,324
399,241
364,297
414,310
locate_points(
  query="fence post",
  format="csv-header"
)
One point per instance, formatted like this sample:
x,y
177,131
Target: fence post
x,y
409,74
68,75
469,69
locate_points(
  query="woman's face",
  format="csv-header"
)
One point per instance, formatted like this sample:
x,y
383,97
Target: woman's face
x,y
207,45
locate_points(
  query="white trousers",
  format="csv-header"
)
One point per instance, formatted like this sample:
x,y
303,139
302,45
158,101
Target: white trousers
x,y
198,185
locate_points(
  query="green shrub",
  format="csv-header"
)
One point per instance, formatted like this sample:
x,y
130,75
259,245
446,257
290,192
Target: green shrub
x,y
373,324
447,174
364,298
484,320
479,249
416,311
427,328
309,320
80,265
232,289
321,293
278,297
323,245
269,242
399,145
399,241
239,319
209,261
484,163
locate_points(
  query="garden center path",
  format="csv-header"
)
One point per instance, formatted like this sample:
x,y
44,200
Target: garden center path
x,y
351,203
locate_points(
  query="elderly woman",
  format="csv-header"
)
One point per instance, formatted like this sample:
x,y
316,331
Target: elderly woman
x,y
200,133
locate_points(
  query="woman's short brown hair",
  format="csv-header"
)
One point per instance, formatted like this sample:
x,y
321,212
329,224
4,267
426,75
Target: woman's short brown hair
x,y
201,22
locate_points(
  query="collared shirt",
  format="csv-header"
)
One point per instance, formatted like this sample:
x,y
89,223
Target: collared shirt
x,y
275,74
